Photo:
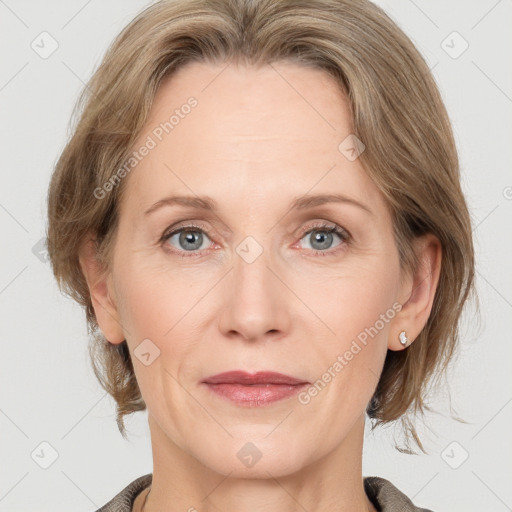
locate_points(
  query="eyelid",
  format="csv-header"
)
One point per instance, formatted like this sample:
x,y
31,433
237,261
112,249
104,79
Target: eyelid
x,y
175,228
328,226
324,225
182,226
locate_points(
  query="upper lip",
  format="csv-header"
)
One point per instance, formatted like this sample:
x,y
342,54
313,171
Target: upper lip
x,y
241,377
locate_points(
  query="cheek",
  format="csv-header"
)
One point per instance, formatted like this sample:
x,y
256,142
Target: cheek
x,y
153,313
352,300
151,293
356,310
159,304
144,302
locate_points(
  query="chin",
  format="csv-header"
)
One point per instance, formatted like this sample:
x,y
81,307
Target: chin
x,y
259,456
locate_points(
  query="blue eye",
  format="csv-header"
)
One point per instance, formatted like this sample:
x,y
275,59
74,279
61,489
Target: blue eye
x,y
321,237
190,240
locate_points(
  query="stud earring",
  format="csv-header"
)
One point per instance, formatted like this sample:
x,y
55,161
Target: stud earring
x,y
403,338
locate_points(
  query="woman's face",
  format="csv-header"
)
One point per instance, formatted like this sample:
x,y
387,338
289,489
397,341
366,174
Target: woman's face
x,y
258,281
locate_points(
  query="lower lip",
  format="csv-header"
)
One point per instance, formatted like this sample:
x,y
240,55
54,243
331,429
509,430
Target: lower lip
x,y
255,395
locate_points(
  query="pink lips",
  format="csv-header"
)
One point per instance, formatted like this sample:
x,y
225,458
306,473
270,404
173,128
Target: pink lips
x,y
254,390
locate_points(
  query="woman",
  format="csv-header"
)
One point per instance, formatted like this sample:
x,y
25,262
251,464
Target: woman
x,y
260,211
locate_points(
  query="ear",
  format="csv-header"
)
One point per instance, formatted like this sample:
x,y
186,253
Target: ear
x,y
417,292
101,291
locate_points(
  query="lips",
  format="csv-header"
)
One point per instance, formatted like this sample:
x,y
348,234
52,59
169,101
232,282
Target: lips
x,y
239,377
254,390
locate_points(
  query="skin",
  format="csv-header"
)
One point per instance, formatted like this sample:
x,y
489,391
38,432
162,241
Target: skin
x,y
257,139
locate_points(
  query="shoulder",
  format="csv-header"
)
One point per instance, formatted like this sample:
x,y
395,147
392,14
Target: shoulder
x,y
123,501
387,498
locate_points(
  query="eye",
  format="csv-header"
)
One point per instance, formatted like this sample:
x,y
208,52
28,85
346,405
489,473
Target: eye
x,y
191,239
320,238
187,239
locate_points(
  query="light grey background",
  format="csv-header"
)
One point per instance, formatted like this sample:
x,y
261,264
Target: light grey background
x,y
48,392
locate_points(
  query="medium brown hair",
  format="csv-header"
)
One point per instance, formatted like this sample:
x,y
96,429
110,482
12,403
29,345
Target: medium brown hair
x,y
397,112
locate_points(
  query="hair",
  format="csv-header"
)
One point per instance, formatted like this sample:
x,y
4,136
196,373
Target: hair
x,y
397,112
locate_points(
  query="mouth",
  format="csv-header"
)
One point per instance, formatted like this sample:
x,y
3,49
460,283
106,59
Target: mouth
x,y
254,390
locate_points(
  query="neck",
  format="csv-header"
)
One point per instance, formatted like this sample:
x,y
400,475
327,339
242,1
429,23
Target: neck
x,y
333,482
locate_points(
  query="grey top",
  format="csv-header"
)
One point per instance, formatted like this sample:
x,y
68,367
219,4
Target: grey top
x,y
381,492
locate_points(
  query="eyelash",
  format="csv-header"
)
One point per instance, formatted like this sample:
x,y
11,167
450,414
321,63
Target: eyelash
x,y
320,226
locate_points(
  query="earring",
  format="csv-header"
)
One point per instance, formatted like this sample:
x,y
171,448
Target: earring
x,y
403,338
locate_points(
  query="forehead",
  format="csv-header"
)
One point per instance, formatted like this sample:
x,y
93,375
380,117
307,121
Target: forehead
x,y
255,102
268,129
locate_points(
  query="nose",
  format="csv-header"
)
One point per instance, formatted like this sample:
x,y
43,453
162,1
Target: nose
x,y
256,300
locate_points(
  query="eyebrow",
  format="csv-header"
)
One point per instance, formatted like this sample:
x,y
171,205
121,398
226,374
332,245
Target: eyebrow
x,y
299,203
